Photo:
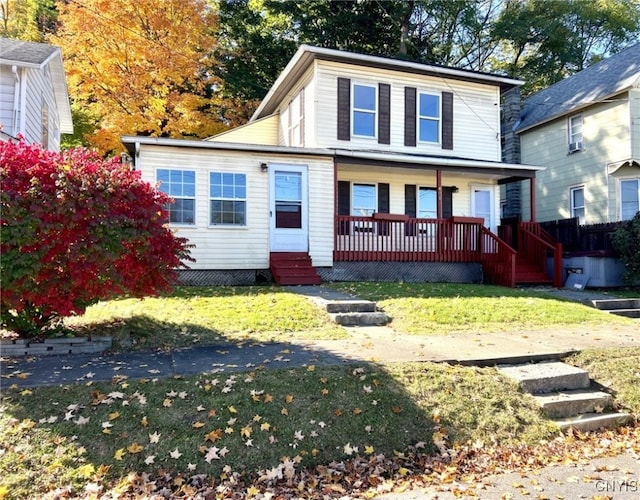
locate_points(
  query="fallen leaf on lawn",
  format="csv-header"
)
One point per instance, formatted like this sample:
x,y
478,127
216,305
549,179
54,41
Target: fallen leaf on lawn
x,y
232,409
119,454
197,425
368,449
26,392
357,411
396,410
167,403
114,416
135,448
144,422
311,368
288,398
284,411
155,437
175,454
149,459
268,398
86,470
213,436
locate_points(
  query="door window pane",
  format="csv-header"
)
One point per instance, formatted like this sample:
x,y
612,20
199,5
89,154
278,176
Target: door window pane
x,y
288,199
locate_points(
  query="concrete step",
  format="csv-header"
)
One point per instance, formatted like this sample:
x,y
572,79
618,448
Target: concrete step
x,y
360,318
346,306
571,403
613,304
627,313
594,421
540,378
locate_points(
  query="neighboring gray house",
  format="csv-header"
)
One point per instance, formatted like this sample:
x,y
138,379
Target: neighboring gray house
x,y
586,131
34,100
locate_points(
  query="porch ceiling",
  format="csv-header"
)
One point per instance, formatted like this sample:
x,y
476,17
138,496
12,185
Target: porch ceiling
x,y
494,170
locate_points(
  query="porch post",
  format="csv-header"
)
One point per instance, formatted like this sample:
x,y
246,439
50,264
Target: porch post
x,y
532,198
439,194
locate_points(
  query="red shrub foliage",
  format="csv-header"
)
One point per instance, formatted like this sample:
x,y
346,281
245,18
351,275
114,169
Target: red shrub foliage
x,y
76,229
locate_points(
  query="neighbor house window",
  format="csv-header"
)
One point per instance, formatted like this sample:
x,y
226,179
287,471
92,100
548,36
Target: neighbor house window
x,y
429,118
228,193
629,198
427,203
364,110
577,203
575,133
181,186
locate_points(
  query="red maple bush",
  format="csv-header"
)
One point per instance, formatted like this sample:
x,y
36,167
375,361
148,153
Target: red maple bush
x,y
76,229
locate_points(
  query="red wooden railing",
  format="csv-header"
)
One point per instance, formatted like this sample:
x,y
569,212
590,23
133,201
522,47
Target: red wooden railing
x,y
535,245
399,238
498,260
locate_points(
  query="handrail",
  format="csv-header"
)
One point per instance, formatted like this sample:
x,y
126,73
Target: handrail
x,y
498,259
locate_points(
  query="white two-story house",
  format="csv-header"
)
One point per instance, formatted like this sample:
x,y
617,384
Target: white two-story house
x,y
364,167
34,101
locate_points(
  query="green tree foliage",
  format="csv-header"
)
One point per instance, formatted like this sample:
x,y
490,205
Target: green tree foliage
x,y
626,240
76,229
543,41
30,20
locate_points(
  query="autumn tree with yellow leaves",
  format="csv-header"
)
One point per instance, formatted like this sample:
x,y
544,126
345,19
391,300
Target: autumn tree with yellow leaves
x,y
139,68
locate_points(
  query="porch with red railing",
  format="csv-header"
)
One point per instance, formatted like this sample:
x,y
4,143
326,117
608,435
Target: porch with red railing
x,y
400,238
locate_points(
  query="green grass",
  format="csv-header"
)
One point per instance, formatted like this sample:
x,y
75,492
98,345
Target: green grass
x,y
616,368
437,308
207,315
52,437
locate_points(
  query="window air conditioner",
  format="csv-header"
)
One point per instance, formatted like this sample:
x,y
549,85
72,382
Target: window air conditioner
x,y
575,146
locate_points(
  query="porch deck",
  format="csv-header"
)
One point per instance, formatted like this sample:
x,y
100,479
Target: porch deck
x,y
400,238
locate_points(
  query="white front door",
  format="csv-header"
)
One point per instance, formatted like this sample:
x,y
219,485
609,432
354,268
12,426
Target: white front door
x,y
482,204
288,208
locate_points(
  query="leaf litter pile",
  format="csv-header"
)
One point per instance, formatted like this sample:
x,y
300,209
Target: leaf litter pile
x,y
343,432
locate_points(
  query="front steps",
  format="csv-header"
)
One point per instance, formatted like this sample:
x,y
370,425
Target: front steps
x,y
629,308
529,273
566,395
293,268
356,313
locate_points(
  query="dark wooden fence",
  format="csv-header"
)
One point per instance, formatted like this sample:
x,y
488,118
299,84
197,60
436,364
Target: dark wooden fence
x,y
592,238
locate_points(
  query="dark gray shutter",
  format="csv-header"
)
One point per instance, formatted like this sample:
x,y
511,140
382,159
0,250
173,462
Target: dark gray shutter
x,y
383,198
384,120
409,116
383,207
344,109
410,208
447,120
344,204
447,202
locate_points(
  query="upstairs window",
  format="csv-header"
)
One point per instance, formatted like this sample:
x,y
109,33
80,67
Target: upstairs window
x,y
181,186
296,120
577,203
364,110
228,198
429,118
575,134
629,198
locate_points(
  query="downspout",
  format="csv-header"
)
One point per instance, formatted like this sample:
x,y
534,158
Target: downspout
x,y
16,99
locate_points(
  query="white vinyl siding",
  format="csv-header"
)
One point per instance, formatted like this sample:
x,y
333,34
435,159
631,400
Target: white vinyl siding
x,y
476,121
7,98
39,90
263,131
606,128
244,247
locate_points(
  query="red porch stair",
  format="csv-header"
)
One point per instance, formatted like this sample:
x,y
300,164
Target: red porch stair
x,y
529,272
293,268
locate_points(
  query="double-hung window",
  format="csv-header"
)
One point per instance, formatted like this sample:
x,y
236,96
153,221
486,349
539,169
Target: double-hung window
x,y
429,118
629,198
427,203
363,204
228,198
296,117
181,186
577,203
575,133
364,109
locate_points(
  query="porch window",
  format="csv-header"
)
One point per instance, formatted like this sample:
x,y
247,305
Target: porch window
x,y
427,203
181,186
228,198
629,198
575,133
364,110
429,118
577,203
